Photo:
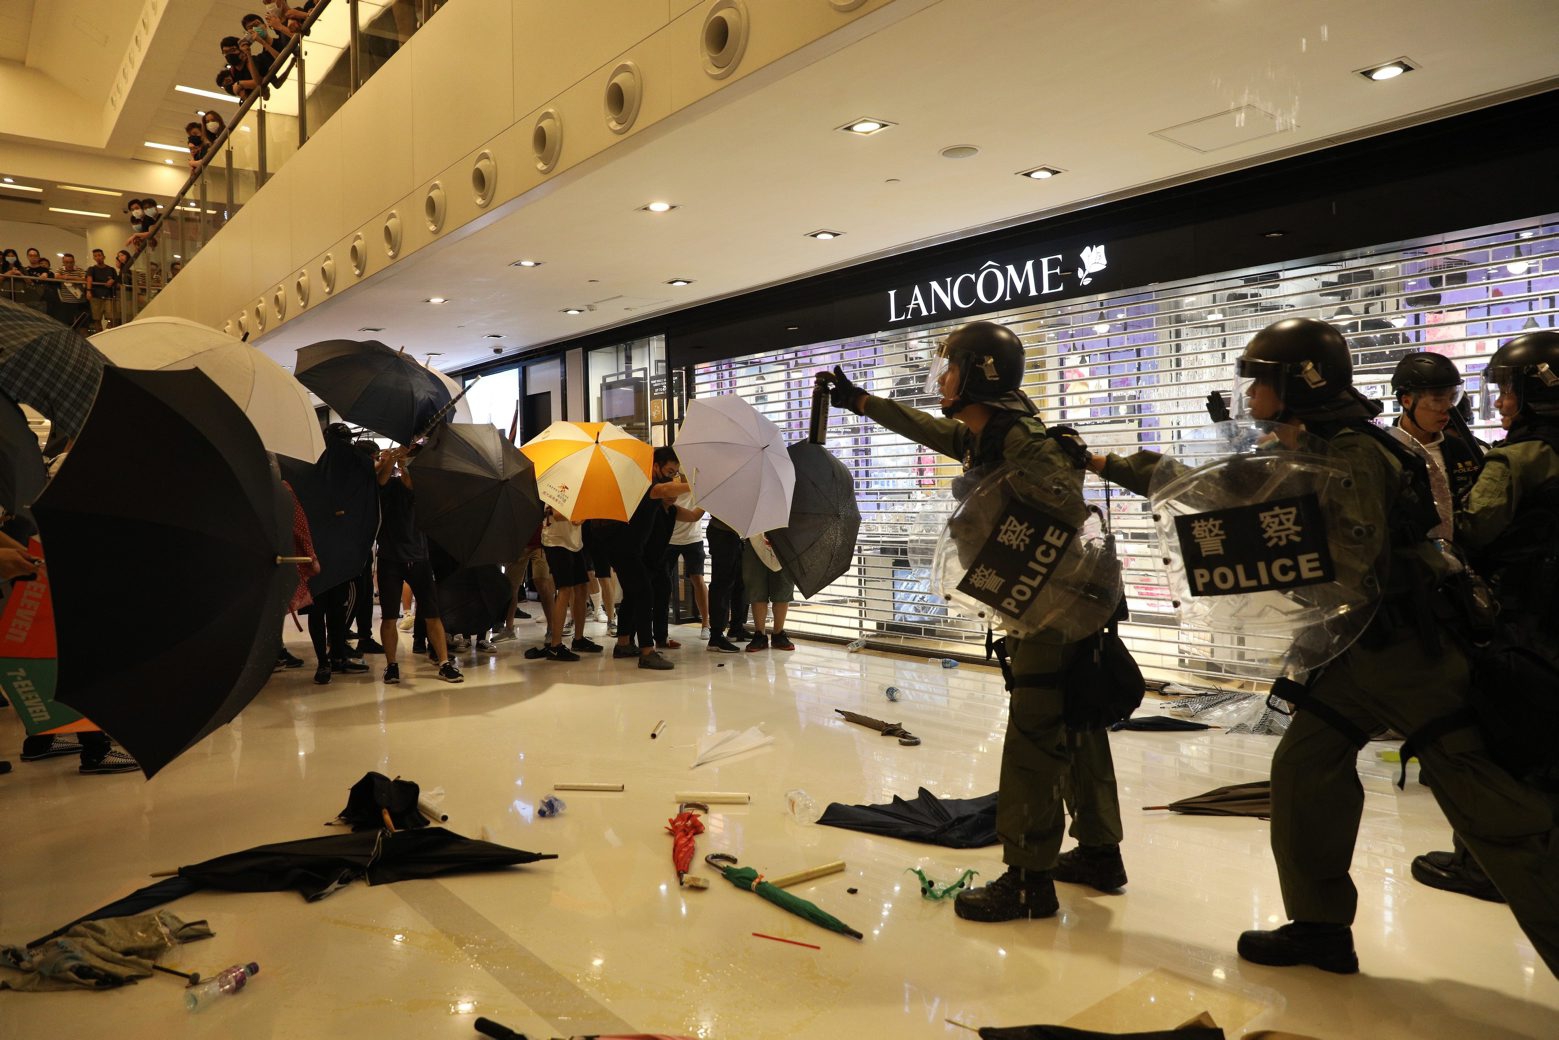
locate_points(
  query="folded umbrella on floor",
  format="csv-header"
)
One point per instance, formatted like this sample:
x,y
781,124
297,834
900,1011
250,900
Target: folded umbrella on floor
x,y
340,497
316,867
372,386
1189,1032
752,881
1252,799
817,543
22,474
99,954
737,463
1159,724
47,366
476,494
276,403
376,799
712,747
205,523
957,823
887,729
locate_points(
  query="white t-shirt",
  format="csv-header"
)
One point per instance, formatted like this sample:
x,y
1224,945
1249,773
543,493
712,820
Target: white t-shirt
x,y
687,532
560,534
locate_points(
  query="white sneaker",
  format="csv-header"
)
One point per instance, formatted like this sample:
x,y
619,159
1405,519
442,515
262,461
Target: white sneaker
x,y
600,615
703,634
407,623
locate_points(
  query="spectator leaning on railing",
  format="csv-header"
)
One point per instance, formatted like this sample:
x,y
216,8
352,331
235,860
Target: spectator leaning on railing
x,y
103,292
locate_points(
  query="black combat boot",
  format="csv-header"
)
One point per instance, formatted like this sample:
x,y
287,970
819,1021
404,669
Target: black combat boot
x,y
1326,946
1099,866
1017,894
1455,872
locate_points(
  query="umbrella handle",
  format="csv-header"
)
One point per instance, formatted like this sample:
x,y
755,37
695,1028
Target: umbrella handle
x,y
721,860
294,559
389,824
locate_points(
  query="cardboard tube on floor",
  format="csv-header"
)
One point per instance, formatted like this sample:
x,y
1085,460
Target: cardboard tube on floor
x,y
587,787
714,797
809,874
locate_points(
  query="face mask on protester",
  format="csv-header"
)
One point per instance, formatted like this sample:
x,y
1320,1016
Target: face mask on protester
x,y
212,126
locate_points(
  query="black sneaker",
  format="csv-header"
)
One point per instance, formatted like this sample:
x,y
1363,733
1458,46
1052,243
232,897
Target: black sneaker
x,y
585,645
288,661
722,645
48,747
522,614
419,646
1098,866
535,653
322,675
738,634
1326,946
561,653
347,666
621,650
654,661
450,673
780,641
1016,895
369,646
112,762
759,642
1450,872
392,674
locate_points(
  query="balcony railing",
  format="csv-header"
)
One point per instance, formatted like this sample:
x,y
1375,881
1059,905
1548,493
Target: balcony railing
x,y
343,43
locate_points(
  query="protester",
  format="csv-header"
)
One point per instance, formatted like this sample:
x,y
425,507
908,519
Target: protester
x,y
403,560
687,545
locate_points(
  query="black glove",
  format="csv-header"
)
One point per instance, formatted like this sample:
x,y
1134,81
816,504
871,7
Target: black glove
x,y
841,392
1071,444
1217,408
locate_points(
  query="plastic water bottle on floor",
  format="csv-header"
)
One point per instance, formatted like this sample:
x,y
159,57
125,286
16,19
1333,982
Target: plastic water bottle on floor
x,y
945,662
229,980
802,806
551,806
892,693
855,644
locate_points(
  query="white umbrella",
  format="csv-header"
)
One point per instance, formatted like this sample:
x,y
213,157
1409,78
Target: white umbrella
x,y
276,403
737,463
727,742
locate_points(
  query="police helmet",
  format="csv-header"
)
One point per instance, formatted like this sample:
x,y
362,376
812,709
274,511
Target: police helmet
x,y
1529,366
1423,370
989,358
1305,360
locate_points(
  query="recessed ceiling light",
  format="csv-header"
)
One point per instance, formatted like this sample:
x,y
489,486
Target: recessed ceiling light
x,y
166,147
658,207
866,126
527,263
680,281
91,191
573,310
824,235
176,256
435,299
1040,173
78,212
1390,70
960,151
213,95
19,187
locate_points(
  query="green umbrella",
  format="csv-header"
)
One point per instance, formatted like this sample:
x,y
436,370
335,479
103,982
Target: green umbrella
x,y
748,878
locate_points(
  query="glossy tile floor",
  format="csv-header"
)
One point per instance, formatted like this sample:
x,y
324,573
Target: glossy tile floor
x,y
602,939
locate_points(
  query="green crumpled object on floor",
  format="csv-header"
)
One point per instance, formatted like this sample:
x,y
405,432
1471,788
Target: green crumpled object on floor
x,y
929,889
101,954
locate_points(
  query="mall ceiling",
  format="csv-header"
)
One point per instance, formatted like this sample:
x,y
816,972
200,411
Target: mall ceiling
x,y
1121,98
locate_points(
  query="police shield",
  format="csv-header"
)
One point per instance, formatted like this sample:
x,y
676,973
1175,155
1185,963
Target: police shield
x,y
1023,556
1267,566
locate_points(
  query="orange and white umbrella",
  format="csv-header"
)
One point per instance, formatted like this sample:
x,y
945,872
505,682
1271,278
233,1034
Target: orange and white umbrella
x,y
590,470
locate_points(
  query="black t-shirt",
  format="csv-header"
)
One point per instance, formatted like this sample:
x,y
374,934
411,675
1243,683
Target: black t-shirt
x,y
652,524
399,539
39,272
101,275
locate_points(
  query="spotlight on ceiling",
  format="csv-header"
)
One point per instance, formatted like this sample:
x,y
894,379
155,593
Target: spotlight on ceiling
x,y
527,263
680,282
1040,173
1390,70
866,126
824,235
658,207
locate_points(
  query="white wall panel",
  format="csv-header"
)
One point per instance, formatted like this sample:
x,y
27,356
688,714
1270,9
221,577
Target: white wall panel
x,y
452,115
556,45
319,197
376,142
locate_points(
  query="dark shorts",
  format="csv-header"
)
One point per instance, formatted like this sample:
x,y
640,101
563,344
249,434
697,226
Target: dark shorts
x,y
692,555
419,575
568,566
598,552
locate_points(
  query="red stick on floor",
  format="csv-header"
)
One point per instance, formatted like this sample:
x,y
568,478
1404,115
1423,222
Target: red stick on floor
x,y
792,942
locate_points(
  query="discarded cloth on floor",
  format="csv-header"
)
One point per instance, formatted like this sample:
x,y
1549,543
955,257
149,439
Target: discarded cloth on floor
x,y
101,954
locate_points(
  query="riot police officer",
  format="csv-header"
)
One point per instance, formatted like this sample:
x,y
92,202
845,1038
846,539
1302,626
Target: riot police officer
x,y
989,420
1405,671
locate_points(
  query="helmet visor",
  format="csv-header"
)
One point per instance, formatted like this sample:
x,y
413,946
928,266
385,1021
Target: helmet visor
x,y
941,362
1258,389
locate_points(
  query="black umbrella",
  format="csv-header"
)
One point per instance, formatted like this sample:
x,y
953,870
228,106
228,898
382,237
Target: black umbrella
x,y
1190,1031
340,497
316,867
1159,724
819,542
200,520
376,799
22,474
473,599
373,386
476,494
47,366
958,823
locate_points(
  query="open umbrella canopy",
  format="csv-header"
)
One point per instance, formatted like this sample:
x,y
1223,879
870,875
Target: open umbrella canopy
x,y
817,542
47,366
1252,799
752,881
957,823
205,523
277,404
340,497
737,463
476,494
372,386
590,471
473,599
22,474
